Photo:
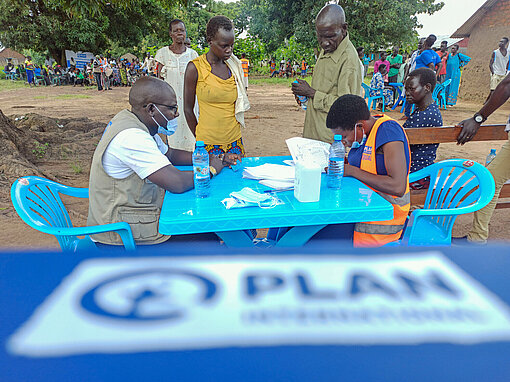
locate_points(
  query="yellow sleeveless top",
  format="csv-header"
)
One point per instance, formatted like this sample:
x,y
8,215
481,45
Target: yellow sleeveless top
x,y
217,124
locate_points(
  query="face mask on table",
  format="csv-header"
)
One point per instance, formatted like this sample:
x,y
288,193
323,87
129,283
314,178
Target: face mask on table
x,y
248,197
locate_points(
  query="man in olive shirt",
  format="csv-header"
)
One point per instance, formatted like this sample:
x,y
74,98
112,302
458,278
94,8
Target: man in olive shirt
x,y
337,72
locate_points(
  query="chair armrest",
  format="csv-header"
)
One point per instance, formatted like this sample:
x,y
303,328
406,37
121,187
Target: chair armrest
x,y
420,174
77,192
122,228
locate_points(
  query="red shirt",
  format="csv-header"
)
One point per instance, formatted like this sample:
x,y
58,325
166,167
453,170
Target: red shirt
x,y
444,57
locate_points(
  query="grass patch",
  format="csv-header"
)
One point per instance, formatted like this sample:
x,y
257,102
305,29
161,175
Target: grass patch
x,y
71,96
76,167
11,85
40,97
275,81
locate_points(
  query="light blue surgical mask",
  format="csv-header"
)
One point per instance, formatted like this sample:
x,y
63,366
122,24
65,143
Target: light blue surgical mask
x,y
171,125
356,144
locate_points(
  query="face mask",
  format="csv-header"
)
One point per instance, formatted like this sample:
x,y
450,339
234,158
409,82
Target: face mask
x,y
356,144
171,125
248,197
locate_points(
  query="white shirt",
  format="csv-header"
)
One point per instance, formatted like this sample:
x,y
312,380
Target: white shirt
x,y
174,67
134,150
500,64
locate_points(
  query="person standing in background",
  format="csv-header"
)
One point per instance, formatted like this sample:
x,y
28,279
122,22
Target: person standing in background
x,y
498,64
361,54
30,71
455,62
366,61
336,73
172,62
428,58
443,54
246,69
395,61
382,61
411,66
304,67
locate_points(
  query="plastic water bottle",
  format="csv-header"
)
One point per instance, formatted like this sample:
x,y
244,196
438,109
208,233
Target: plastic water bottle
x,y
302,99
201,170
336,163
490,157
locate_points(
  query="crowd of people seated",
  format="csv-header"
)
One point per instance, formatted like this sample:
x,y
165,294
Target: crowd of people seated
x,y
113,72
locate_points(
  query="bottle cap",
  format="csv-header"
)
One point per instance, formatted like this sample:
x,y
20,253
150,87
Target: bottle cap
x,y
200,144
493,151
338,137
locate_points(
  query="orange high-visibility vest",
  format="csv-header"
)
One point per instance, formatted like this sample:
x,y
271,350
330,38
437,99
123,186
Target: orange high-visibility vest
x,y
375,234
245,63
303,65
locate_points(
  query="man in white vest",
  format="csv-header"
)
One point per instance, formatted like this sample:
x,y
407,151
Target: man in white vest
x,y
498,64
132,167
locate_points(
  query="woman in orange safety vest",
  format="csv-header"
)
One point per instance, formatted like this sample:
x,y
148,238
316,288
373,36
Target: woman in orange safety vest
x,y
380,158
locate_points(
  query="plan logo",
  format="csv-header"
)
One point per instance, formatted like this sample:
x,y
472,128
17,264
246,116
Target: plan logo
x,y
149,295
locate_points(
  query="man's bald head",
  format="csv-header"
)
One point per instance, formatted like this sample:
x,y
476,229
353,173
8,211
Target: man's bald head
x,y
331,27
331,14
150,90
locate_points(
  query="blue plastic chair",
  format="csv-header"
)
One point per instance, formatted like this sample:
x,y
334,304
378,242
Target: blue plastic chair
x,y
9,75
457,186
436,94
372,104
37,202
404,106
399,87
442,93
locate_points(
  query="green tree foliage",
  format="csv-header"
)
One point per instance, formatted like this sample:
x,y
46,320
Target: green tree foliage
x,y
372,23
81,25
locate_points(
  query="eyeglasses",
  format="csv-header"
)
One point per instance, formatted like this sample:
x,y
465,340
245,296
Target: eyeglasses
x,y
173,108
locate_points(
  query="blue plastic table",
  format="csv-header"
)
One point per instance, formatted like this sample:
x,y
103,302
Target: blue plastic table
x,y
186,214
27,279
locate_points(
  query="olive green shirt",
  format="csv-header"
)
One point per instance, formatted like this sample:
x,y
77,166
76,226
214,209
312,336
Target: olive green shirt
x,y
334,75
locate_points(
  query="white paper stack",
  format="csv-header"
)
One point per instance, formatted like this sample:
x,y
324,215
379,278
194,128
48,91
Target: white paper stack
x,y
309,150
276,176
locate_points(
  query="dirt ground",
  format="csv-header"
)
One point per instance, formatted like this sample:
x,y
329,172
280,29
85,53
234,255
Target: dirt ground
x,y
274,117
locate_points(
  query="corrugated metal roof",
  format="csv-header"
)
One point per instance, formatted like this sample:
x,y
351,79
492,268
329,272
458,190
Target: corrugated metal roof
x,y
467,27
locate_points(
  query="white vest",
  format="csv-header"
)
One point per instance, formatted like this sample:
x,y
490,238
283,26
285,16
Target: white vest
x,y
500,64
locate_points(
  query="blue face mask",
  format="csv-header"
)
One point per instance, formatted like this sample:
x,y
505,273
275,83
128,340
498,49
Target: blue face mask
x,y
171,125
356,144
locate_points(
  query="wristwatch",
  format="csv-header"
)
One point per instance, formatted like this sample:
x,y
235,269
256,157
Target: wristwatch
x,y
479,118
213,171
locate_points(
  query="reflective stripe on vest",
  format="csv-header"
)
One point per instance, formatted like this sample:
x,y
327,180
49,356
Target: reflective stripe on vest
x,y
378,229
245,64
381,232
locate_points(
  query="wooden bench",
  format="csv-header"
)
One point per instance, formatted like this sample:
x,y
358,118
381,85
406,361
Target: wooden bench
x,y
428,135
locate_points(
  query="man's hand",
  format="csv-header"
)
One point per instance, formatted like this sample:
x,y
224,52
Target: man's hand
x,y
230,159
303,89
469,129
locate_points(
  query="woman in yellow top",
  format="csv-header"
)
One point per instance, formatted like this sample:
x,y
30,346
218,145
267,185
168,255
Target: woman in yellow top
x,y
216,79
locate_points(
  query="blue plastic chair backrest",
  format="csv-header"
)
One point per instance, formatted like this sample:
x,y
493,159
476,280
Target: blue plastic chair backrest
x,y
37,71
366,88
37,201
446,83
458,185
437,90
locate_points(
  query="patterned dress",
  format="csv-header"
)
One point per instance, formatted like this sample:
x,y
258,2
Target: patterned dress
x,y
377,82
